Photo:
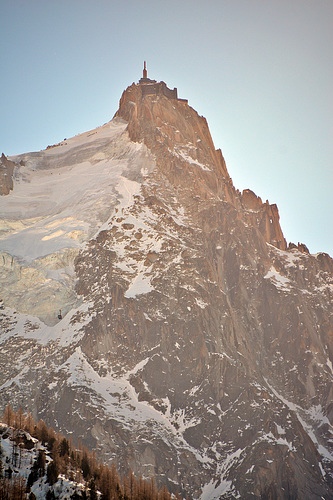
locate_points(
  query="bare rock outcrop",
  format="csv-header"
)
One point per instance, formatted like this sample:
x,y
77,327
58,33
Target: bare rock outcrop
x,y
179,138
185,153
6,175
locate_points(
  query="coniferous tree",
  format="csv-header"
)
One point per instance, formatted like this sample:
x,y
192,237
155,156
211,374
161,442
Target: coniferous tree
x,y
109,481
8,416
38,468
164,494
64,447
132,486
92,492
19,419
29,423
73,463
85,465
32,478
52,439
119,493
42,432
52,472
40,462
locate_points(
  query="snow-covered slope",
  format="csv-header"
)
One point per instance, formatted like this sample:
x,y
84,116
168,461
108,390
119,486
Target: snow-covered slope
x,y
17,462
62,197
194,345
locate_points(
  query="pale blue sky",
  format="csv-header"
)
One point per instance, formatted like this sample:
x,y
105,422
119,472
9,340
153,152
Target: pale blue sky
x,y
260,71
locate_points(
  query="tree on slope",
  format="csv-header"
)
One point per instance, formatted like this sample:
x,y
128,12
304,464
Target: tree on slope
x,y
8,416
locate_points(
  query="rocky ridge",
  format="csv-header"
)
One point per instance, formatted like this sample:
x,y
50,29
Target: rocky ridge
x,y
199,347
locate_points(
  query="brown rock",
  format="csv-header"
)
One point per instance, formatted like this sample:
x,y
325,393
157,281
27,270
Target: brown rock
x,y
6,175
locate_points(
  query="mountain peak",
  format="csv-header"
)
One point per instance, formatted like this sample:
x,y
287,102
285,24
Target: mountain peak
x,y
192,345
184,151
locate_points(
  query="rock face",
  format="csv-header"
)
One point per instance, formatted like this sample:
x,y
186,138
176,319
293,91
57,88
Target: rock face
x,y
198,348
6,175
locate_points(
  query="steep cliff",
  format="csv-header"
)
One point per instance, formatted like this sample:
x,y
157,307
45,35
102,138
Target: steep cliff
x,y
197,348
6,175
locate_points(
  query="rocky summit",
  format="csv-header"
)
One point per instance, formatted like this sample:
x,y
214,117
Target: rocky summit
x,y
154,312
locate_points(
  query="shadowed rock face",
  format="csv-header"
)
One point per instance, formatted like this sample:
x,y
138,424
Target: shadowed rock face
x,y
6,175
202,352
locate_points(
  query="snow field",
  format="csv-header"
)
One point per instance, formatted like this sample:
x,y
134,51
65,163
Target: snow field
x,y
62,197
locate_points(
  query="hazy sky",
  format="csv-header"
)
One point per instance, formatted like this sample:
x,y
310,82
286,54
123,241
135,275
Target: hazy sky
x,y
260,71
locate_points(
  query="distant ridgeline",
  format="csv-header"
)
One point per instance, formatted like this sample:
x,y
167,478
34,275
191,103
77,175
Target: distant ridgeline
x,y
152,87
